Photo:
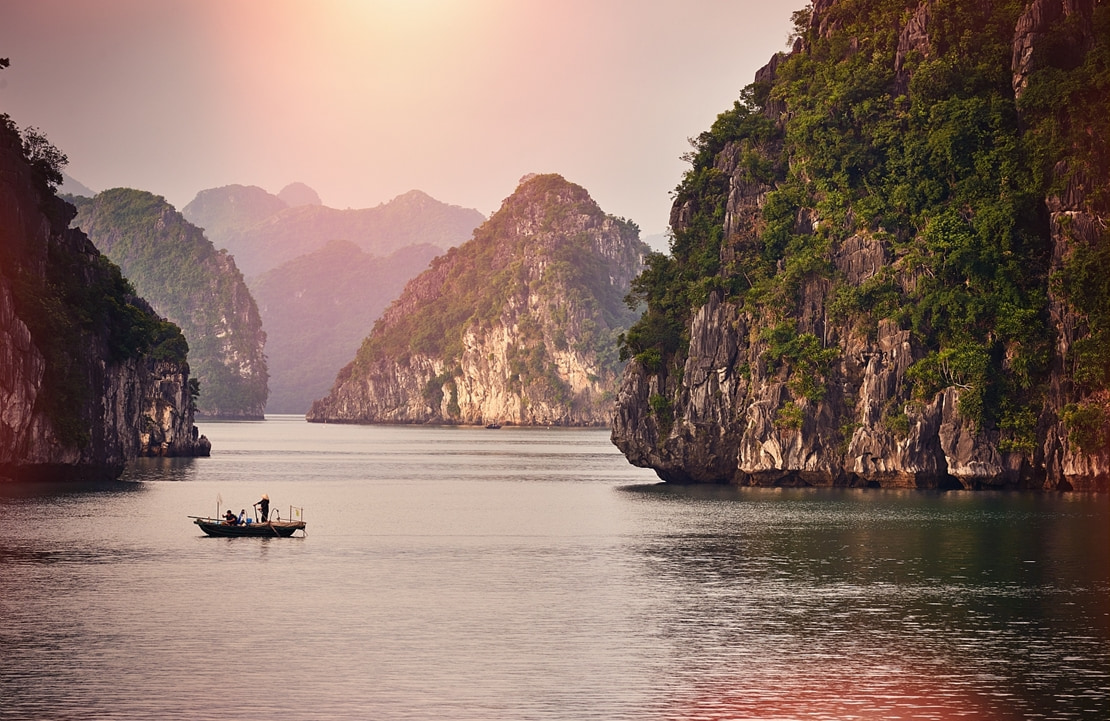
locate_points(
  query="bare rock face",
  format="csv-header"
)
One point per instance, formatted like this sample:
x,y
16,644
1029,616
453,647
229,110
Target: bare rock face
x,y
77,406
914,41
725,412
1039,16
517,326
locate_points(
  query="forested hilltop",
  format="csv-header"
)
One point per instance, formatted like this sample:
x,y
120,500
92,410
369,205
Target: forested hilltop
x,y
90,376
176,268
517,325
890,262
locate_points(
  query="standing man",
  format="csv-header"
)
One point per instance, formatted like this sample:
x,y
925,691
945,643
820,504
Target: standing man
x,y
264,508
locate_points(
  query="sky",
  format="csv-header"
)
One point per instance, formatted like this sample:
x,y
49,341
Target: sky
x,y
364,100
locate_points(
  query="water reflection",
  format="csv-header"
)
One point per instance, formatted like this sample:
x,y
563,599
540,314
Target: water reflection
x,y
137,472
872,604
15,491
472,575
161,469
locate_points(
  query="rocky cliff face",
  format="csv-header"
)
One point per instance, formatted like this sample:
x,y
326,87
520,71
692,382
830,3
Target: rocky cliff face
x,y
192,284
519,325
829,338
1053,36
90,377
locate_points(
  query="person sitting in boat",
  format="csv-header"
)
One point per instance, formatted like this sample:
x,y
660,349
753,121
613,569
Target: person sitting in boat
x,y
230,519
264,508
242,517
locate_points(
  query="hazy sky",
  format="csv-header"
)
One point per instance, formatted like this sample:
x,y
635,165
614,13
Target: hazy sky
x,y
366,99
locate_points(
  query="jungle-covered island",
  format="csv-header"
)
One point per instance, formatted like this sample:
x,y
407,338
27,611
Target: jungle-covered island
x,y
890,263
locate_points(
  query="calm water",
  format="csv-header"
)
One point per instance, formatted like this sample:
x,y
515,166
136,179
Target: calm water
x,y
533,574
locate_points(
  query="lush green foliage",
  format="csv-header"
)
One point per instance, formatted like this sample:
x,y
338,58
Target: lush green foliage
x,y
45,159
1066,107
81,306
930,161
803,354
179,271
663,411
790,417
671,286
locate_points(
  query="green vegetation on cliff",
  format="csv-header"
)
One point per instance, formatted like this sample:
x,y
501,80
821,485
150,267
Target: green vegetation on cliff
x,y
470,285
925,150
186,279
75,303
1066,110
519,325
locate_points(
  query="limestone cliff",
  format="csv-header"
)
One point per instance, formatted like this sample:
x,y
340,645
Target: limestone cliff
x,y
177,269
886,261
90,377
519,325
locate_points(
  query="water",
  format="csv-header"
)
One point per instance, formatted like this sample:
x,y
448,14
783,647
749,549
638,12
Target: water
x,y
533,574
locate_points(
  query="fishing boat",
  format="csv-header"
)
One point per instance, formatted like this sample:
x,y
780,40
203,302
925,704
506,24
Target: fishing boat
x,y
273,528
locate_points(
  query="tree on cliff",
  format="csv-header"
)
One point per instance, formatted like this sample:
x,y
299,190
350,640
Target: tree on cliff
x,y
43,156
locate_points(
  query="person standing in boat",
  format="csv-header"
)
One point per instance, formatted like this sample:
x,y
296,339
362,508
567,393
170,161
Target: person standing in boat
x,y
263,508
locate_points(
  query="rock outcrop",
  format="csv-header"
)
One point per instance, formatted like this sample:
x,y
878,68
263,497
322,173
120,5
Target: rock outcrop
x,y
1039,42
821,346
90,376
519,325
175,267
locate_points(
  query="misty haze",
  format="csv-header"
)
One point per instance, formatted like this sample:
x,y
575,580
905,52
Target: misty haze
x,y
489,359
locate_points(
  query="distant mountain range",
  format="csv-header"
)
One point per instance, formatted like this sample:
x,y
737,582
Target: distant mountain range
x,y
264,231
323,276
317,309
72,186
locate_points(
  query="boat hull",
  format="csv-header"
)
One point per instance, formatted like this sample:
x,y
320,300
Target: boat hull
x,y
271,529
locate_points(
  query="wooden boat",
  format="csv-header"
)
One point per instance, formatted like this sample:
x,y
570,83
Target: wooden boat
x,y
272,529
